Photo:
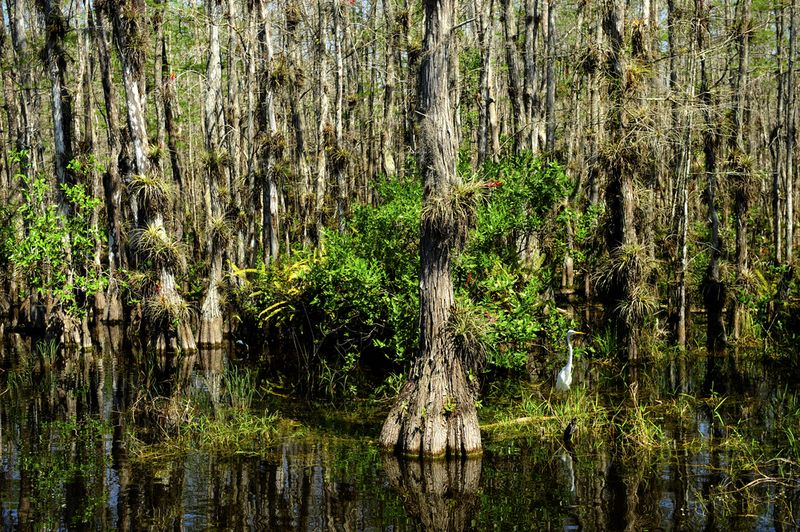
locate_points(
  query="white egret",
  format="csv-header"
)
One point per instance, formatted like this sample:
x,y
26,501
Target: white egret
x,y
564,378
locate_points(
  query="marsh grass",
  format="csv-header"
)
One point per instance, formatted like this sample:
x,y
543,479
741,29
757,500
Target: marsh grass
x,y
240,386
215,417
224,432
47,351
632,423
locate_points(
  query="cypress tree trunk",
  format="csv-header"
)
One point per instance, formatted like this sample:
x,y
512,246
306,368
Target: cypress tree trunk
x,y
435,414
518,123
550,100
392,50
339,161
217,232
324,132
533,103
55,57
112,186
739,154
488,133
305,199
622,239
776,145
271,145
28,126
165,303
714,290
789,131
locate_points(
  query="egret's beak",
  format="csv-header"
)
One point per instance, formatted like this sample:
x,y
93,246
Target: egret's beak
x,y
578,332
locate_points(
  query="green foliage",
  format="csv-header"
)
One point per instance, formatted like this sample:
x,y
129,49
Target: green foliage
x,y
54,244
240,385
517,209
354,304
494,269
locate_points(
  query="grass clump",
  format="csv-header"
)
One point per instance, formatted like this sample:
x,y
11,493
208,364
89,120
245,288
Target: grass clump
x,y
216,417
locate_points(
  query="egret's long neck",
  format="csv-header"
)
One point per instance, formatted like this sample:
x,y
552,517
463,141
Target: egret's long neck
x,y
569,347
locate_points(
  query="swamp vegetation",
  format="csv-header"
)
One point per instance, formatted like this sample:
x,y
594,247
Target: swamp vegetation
x,y
253,255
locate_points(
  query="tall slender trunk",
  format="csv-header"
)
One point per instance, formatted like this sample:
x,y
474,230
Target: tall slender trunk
x,y
622,238
269,150
112,185
683,171
30,161
488,132
739,152
61,99
159,84
324,133
55,59
339,158
518,125
216,230
305,198
789,131
12,126
129,21
233,137
714,290
251,52
532,98
776,146
550,103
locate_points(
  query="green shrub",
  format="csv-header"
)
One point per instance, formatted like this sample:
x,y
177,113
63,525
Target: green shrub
x,y
56,247
505,282
353,305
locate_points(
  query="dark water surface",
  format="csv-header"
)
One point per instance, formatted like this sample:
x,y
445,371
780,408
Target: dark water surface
x,y
727,463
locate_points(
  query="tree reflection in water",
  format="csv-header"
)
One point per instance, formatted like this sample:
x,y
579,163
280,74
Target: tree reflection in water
x,y
67,458
441,494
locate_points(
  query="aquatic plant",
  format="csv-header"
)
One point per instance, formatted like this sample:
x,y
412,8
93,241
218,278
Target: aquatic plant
x,y
240,387
47,350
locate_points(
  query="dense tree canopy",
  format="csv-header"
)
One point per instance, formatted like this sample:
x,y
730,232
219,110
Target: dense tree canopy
x,y
641,155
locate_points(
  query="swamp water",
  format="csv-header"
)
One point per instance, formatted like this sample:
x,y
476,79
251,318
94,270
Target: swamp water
x,y
697,443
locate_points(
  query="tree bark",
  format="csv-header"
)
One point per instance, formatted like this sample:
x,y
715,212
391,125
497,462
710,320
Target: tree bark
x,y
28,126
789,131
488,132
532,97
518,125
61,99
684,167
622,238
305,198
112,186
129,20
739,158
324,132
216,167
435,414
339,159
714,290
270,147
550,100
776,145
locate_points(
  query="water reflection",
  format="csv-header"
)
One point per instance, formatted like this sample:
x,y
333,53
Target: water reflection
x,y
440,494
66,459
